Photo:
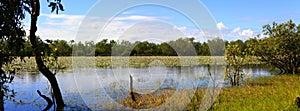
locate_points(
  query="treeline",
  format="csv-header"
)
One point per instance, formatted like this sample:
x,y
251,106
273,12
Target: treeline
x,y
279,47
105,47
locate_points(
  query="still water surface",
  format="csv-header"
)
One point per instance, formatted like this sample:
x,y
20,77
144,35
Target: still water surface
x,y
94,88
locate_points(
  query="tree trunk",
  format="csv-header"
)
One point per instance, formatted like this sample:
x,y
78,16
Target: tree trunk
x,y
1,101
131,89
41,66
49,101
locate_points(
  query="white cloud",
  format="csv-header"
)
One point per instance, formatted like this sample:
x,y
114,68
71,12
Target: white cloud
x,y
69,27
238,33
158,31
61,26
56,33
180,28
114,30
150,31
62,20
246,33
221,26
236,30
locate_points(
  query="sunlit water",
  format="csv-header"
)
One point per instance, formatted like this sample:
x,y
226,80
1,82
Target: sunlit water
x,y
93,88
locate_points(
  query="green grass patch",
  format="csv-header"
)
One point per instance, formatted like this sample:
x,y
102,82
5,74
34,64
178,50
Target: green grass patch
x,y
259,94
265,93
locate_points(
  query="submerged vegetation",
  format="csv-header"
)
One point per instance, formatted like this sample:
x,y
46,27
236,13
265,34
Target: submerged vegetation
x,y
65,63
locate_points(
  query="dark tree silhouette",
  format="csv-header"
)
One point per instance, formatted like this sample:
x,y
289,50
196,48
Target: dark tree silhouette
x,y
11,41
35,12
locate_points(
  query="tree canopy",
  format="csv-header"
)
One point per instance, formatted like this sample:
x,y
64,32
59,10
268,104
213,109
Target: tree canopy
x,y
280,47
11,41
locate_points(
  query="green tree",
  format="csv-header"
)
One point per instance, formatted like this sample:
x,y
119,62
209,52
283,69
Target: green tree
x,y
167,50
183,46
11,41
281,47
216,47
62,47
203,49
235,58
78,49
122,48
145,48
240,43
104,48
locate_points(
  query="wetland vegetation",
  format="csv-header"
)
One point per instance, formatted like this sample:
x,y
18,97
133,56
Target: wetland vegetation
x,y
182,74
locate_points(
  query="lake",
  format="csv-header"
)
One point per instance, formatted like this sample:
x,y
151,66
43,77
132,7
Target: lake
x,y
98,88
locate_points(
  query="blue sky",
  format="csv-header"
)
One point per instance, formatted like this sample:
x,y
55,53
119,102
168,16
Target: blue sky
x,y
236,19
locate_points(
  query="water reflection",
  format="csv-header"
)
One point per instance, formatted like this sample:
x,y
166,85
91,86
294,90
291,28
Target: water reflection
x,y
95,87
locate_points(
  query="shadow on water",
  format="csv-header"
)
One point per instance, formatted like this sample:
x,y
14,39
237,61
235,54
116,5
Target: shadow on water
x,y
94,91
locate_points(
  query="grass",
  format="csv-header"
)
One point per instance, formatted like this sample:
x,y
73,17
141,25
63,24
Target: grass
x,y
264,93
146,101
133,61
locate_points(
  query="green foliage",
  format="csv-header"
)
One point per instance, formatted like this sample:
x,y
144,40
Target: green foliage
x,y
281,48
62,48
56,5
51,51
11,42
105,47
235,57
184,47
216,47
86,49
